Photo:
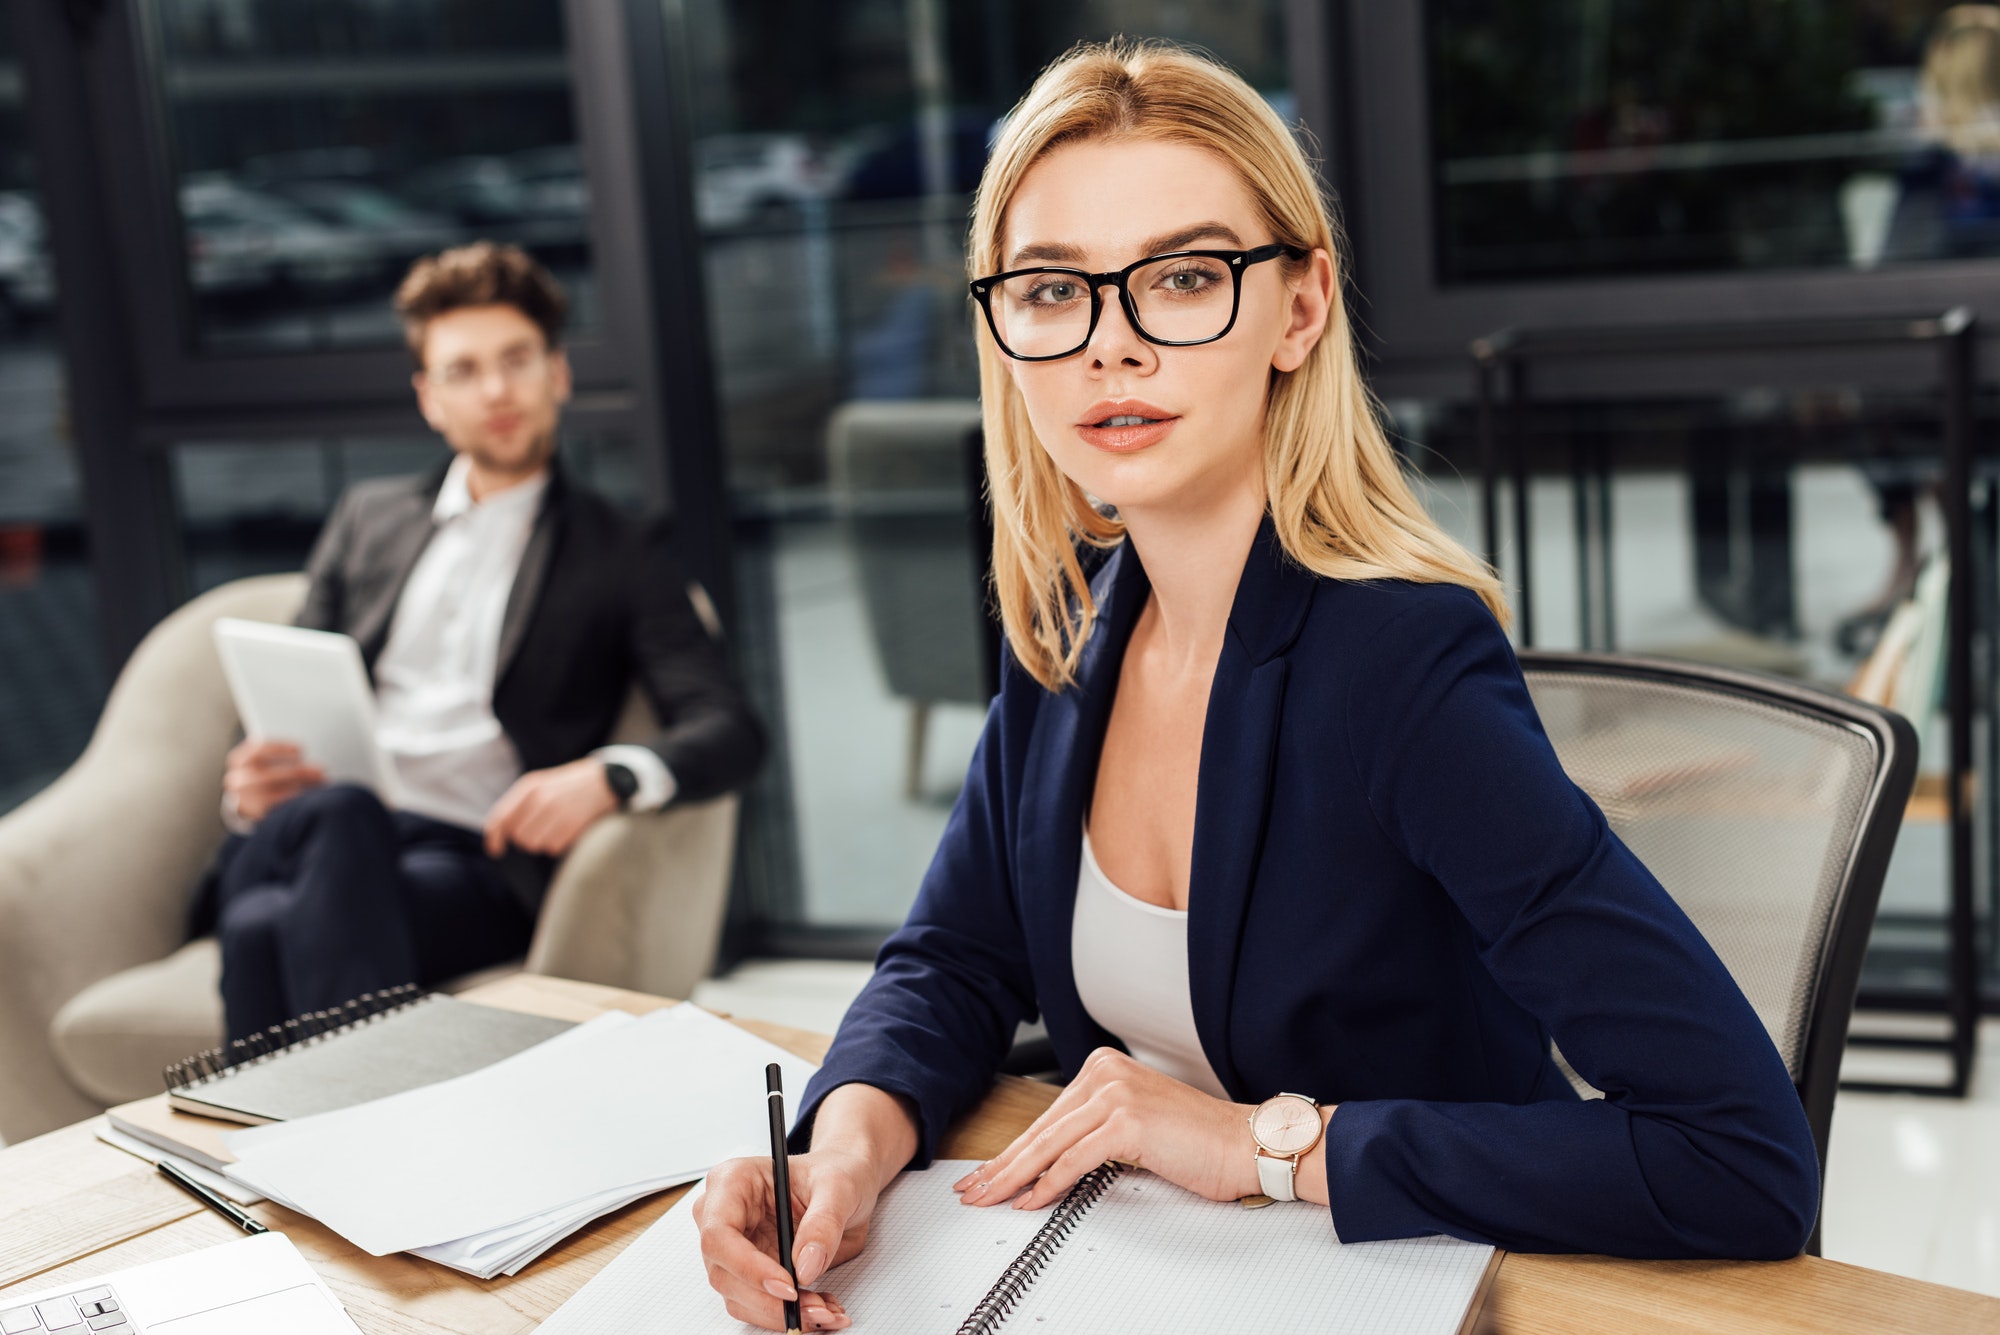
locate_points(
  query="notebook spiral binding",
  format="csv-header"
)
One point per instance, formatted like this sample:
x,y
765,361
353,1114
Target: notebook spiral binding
x,y
190,1072
992,1311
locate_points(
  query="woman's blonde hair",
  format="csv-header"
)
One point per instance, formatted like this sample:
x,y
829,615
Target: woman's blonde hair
x,y
1337,495
1960,86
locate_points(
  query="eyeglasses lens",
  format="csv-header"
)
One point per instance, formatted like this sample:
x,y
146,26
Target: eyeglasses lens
x,y
1184,300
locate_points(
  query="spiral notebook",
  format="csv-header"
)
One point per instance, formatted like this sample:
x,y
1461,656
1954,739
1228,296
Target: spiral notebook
x,y
1123,1251
379,1044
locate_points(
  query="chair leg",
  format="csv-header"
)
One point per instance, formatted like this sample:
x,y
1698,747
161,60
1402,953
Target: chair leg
x,y
913,761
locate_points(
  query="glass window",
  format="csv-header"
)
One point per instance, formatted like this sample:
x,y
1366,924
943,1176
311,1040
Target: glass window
x,y
1777,531
1609,137
52,680
835,166
318,148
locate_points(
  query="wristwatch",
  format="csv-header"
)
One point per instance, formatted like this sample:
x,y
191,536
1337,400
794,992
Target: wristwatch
x,y
1285,1127
623,782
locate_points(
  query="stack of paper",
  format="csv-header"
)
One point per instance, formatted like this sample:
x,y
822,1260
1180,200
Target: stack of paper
x,y
487,1171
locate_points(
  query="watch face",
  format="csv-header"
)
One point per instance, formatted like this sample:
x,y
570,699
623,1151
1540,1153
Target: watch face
x,y
1285,1125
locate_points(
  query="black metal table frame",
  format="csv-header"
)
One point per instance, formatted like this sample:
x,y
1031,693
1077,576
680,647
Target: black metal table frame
x,y
1510,353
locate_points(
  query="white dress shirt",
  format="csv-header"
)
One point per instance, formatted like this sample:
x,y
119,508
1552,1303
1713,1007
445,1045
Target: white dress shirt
x,y
434,679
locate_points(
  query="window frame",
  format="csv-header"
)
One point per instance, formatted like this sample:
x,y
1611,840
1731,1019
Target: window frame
x,y
1422,325
176,377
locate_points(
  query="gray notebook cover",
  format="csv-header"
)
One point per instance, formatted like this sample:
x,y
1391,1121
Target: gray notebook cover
x,y
432,1039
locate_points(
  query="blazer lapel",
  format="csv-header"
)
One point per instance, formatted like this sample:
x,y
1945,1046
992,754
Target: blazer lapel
x,y
1056,780
1239,748
530,575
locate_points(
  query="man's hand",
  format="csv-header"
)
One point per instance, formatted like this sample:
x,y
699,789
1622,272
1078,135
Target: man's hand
x,y
548,809
259,774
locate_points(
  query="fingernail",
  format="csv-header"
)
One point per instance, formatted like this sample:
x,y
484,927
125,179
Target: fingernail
x,y
809,1262
777,1288
978,1189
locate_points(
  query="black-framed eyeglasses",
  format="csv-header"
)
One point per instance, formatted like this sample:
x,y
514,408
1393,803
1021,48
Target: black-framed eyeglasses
x,y
1176,300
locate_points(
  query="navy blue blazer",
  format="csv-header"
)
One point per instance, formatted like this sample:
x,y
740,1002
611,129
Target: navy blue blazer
x,y
1397,899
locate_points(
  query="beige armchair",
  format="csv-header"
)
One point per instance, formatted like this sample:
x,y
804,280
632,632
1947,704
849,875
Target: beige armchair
x,y
97,990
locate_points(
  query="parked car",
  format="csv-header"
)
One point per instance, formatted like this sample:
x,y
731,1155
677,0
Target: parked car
x,y
27,279
748,178
889,165
555,196
391,230
544,210
241,240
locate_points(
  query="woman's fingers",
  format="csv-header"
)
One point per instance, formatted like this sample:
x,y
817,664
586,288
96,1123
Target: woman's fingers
x,y
739,1240
1027,1160
829,1216
1076,1093
816,1312
734,1216
1070,1166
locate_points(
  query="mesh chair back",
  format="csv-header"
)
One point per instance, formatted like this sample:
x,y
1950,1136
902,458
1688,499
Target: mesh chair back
x,y
1766,809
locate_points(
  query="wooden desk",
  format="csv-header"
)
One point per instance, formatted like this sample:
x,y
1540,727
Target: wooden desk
x,y
72,1207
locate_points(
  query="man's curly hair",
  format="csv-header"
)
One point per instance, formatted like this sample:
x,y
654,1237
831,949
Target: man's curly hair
x,y
484,273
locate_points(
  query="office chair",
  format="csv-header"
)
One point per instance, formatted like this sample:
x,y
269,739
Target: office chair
x,y
1767,809
897,473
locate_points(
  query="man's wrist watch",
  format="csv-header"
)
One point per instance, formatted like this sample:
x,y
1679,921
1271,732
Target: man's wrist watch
x,y
623,782
1285,1127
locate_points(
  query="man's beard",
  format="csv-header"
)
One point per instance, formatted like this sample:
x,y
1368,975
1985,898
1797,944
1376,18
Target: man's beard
x,y
531,461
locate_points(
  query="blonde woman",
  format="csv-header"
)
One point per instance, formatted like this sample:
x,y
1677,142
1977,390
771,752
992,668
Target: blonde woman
x,y
1263,817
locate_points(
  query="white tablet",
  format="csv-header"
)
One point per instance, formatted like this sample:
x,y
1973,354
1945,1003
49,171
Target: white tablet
x,y
310,688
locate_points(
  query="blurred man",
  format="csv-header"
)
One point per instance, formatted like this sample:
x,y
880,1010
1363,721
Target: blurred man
x,y
504,616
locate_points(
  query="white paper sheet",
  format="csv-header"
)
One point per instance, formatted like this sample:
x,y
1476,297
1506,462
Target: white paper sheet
x,y
572,1121
201,1173
1147,1256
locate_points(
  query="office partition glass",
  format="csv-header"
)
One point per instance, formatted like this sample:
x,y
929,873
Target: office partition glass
x,y
836,149
1574,138
316,149
51,664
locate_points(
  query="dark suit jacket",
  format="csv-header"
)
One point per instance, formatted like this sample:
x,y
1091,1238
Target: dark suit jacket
x,y
1398,897
597,604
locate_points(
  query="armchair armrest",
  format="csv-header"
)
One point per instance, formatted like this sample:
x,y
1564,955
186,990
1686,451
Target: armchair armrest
x,y
638,902
95,869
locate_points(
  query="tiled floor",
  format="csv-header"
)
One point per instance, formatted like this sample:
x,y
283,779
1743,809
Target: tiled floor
x,y
1913,1183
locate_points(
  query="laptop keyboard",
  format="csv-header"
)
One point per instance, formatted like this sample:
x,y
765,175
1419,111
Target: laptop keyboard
x,y
87,1312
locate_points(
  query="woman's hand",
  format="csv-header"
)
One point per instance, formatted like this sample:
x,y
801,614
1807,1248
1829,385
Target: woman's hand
x,y
1117,1108
862,1137
832,1198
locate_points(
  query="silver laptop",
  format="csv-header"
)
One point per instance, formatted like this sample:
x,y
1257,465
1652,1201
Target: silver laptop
x,y
255,1286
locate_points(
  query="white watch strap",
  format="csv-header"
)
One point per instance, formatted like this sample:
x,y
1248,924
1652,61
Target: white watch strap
x,y
1274,1176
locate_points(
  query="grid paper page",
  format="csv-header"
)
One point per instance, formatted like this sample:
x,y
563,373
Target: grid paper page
x,y
1150,1256
928,1261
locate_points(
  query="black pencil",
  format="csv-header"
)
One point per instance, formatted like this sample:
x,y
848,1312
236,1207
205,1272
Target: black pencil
x,y
781,1175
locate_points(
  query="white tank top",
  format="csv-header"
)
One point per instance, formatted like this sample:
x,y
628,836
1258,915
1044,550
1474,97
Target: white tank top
x,y
1130,960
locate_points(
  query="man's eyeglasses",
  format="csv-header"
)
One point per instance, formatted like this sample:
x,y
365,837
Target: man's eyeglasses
x,y
517,366
1178,299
